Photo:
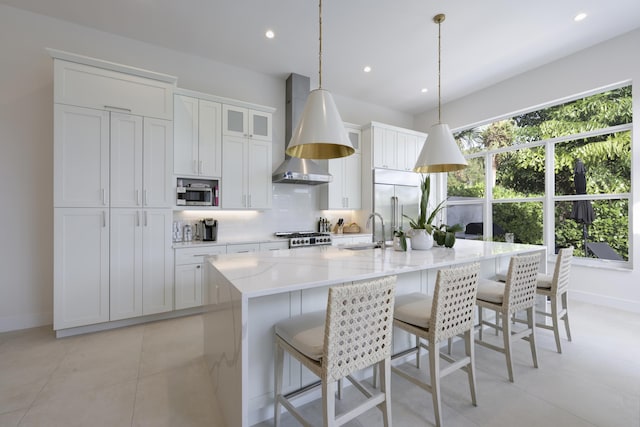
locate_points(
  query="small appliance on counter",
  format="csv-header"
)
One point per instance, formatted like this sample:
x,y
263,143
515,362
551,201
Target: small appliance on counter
x,y
188,233
209,227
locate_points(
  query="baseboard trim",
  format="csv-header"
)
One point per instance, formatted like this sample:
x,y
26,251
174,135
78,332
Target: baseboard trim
x,y
606,301
25,321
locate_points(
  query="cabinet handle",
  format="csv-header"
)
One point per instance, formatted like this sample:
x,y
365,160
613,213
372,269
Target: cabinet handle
x,y
144,196
104,219
197,266
137,218
104,196
249,204
111,107
145,218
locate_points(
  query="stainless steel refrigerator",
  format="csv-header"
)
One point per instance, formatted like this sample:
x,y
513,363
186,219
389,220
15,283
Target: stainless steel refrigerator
x,y
395,193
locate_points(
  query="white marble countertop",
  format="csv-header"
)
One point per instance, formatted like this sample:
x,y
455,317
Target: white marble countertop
x,y
267,273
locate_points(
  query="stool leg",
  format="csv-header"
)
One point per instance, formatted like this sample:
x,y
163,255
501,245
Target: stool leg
x,y
556,320
565,306
506,335
531,320
434,371
480,322
279,370
418,353
471,370
329,403
385,387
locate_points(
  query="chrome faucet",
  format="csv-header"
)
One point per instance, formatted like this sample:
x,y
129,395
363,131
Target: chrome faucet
x,y
381,242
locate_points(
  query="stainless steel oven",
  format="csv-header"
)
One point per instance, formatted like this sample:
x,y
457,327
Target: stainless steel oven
x,y
298,239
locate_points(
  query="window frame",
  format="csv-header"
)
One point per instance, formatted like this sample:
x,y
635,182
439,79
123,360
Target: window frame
x,y
550,198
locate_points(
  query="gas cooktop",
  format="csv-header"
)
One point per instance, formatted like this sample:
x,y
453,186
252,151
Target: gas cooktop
x,y
304,238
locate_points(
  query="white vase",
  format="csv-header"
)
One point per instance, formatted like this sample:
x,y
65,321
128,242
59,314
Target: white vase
x,y
421,240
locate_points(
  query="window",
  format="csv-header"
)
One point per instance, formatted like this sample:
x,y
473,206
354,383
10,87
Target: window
x,y
559,176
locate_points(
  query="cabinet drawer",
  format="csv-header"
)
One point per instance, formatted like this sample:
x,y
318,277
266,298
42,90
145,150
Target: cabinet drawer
x,y
242,247
274,246
87,86
197,255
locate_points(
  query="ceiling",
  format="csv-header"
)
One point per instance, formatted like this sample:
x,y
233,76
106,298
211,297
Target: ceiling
x,y
483,42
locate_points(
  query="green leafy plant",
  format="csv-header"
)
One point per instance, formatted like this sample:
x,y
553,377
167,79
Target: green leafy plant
x,y
445,235
424,221
402,237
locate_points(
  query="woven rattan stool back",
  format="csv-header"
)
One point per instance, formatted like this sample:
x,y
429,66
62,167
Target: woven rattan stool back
x,y
561,273
454,300
358,326
522,280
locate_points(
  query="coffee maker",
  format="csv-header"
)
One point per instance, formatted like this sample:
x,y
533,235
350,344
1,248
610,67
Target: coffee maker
x,y
209,229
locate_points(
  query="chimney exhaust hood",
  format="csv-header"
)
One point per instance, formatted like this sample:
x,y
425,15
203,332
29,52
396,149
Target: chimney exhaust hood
x,y
295,170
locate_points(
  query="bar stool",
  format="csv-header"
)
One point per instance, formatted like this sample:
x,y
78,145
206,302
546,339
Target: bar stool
x,y
354,333
556,288
449,313
506,299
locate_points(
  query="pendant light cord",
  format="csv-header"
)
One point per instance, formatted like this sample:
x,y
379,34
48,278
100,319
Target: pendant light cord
x,y
439,66
320,50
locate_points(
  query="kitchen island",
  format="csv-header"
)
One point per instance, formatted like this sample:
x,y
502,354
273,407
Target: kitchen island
x,y
248,293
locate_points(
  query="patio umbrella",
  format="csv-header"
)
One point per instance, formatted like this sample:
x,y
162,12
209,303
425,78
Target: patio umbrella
x,y
582,211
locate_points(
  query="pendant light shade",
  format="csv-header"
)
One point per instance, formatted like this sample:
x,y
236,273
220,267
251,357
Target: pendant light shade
x,y
320,134
440,152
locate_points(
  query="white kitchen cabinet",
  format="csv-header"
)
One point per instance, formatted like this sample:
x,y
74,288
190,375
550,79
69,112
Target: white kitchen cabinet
x,y
81,260
140,159
246,123
104,89
345,190
125,259
157,189
390,147
384,148
157,266
141,262
274,246
197,142
246,174
408,149
236,248
81,157
190,273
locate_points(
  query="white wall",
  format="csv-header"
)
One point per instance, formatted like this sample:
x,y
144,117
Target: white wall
x,y
611,62
26,139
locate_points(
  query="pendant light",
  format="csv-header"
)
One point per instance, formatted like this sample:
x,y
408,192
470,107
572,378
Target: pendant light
x,y
440,152
320,134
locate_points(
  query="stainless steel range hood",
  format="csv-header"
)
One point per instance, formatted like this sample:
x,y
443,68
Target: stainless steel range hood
x,y
295,170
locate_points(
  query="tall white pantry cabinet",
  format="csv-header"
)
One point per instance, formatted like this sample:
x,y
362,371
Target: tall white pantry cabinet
x,y
113,161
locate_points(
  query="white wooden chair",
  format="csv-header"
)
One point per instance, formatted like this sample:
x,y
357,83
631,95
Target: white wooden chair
x,y
450,312
506,299
354,333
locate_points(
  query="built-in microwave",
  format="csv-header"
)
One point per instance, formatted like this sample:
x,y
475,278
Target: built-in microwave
x,y
197,193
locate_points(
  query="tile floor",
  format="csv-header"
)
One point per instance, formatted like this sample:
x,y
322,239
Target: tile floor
x,y
154,375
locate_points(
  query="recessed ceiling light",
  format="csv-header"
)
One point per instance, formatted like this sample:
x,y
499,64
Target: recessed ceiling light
x,y
579,17
367,69
424,90
269,34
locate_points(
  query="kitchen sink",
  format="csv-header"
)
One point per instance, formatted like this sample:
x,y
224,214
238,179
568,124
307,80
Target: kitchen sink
x,y
362,247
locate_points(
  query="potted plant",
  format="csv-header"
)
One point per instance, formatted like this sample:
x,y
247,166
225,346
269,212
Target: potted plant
x,y
421,227
445,235
399,240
